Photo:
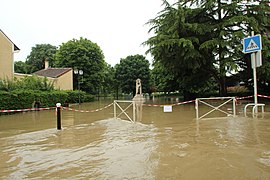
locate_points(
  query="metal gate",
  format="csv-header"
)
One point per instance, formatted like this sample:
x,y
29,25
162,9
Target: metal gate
x,y
123,110
215,108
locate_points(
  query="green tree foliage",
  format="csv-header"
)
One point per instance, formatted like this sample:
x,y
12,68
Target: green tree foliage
x,y
129,70
26,83
231,22
203,41
163,80
109,83
21,67
38,55
84,55
176,47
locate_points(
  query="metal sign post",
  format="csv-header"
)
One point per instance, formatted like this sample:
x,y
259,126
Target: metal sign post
x,y
253,45
253,59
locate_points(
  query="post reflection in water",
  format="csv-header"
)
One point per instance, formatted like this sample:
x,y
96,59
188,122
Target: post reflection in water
x,y
161,146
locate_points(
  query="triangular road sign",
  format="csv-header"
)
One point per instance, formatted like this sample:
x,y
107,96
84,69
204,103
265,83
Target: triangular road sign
x,y
252,45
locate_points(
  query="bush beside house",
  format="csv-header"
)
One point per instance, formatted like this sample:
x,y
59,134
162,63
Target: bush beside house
x,y
22,99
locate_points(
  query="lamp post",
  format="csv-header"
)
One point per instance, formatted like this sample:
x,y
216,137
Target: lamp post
x,y
78,72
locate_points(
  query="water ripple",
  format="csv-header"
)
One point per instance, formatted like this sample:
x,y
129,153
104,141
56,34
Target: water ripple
x,y
111,149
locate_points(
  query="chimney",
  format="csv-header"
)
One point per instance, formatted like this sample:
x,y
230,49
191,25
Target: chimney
x,y
46,64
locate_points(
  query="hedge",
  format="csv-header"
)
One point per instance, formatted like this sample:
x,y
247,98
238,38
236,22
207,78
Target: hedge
x,y
21,99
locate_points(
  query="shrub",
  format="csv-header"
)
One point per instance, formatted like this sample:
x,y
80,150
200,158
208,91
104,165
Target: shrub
x,y
89,98
21,99
73,96
26,83
24,93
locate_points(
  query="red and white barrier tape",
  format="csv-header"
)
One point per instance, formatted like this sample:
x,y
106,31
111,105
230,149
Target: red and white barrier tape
x,y
162,105
246,97
96,110
25,110
263,96
87,111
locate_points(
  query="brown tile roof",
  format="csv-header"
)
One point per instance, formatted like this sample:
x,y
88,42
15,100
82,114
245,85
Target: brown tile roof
x,y
52,72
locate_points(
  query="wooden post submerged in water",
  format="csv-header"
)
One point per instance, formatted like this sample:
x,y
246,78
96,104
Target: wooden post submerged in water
x,y
58,110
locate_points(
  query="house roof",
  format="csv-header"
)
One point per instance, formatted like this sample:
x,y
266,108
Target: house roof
x,y
15,47
52,72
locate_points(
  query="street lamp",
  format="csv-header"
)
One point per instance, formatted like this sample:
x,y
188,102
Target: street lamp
x,y
78,72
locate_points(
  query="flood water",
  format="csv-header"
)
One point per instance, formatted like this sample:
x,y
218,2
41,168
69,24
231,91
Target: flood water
x,y
173,145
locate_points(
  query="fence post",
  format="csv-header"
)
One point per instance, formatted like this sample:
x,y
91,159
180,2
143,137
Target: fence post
x,y
114,109
134,110
234,107
197,108
58,109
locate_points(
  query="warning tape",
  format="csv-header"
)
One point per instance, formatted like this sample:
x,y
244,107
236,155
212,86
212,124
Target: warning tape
x,y
263,96
96,110
25,110
87,111
246,97
186,102
162,105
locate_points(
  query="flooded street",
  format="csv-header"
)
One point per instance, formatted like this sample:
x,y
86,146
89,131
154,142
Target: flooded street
x,y
161,146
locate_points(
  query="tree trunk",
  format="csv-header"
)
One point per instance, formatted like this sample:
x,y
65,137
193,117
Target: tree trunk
x,y
188,95
222,86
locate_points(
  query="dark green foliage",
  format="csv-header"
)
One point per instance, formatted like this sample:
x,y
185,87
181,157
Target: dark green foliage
x,y
163,80
109,83
129,70
204,41
73,96
21,99
8,100
88,98
21,94
21,67
38,55
84,55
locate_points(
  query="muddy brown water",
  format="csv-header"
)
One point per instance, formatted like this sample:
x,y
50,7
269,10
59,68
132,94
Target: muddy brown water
x,y
161,146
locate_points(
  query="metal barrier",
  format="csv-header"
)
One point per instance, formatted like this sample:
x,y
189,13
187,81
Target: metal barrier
x,y
123,110
215,108
254,109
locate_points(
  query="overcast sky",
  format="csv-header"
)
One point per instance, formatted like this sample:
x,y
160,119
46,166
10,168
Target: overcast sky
x,y
117,26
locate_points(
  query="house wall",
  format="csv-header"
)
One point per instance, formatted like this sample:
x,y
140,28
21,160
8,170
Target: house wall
x,y
19,76
65,82
6,57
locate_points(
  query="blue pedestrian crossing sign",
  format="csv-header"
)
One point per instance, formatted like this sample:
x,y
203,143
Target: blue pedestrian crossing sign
x,y
252,44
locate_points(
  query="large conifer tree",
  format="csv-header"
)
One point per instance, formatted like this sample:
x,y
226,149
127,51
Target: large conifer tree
x,y
204,37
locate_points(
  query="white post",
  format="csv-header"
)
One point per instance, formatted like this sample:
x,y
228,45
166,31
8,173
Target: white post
x,y
255,86
114,109
234,107
197,110
253,62
134,111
